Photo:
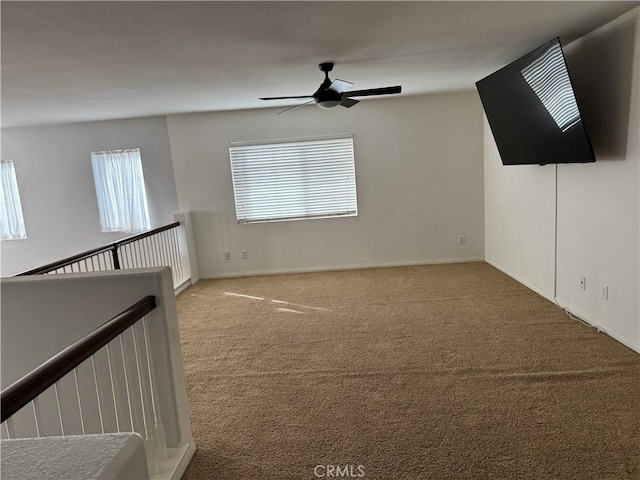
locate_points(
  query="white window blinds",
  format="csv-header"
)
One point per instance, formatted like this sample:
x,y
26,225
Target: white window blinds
x,y
549,79
120,191
294,180
11,219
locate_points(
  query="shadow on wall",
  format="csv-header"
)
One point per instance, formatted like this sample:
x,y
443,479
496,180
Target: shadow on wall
x,y
601,67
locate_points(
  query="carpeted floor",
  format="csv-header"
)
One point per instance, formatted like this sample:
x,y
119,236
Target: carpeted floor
x,y
430,372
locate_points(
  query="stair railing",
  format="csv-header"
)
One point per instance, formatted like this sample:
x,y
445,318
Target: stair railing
x,y
156,248
103,383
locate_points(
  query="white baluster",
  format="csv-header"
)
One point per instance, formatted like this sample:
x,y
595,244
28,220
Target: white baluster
x,y
122,252
45,414
136,254
95,379
55,389
147,251
126,381
101,373
120,425
152,252
176,234
88,398
35,405
163,249
140,250
175,256
137,422
145,397
75,378
11,432
154,249
143,256
68,401
166,258
130,255
161,440
107,260
170,252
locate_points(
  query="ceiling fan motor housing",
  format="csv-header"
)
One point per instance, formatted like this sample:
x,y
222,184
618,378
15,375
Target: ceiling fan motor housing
x,y
324,97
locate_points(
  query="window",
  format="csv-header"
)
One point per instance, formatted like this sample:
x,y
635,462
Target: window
x,y
11,219
294,180
122,199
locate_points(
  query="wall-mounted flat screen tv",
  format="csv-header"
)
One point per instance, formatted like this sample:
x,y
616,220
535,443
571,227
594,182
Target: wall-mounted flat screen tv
x,y
532,110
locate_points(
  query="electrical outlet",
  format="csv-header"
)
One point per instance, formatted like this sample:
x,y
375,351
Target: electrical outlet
x,y
227,255
605,292
245,255
462,240
583,283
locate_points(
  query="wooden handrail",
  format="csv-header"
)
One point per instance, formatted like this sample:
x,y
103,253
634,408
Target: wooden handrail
x,y
65,261
109,247
23,391
140,236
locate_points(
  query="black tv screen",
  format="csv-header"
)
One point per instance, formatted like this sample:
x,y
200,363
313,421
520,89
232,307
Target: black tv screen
x,y
532,110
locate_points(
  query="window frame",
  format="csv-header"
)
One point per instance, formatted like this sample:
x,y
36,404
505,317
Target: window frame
x,y
318,174
121,192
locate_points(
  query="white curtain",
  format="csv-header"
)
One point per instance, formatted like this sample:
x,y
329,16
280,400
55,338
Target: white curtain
x,y
120,190
11,219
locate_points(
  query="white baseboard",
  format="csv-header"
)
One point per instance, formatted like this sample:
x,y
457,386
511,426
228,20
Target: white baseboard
x,y
177,461
607,330
279,271
182,287
635,346
539,290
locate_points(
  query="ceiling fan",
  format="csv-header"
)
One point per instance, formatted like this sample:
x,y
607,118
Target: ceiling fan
x,y
332,93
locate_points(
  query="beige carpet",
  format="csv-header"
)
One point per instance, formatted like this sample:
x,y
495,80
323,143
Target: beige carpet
x,y
437,372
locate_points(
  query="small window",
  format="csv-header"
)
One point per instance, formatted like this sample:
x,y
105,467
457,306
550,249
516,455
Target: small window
x,y
11,219
122,199
294,180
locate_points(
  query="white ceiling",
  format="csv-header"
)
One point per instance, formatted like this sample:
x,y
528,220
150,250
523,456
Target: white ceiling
x,y
82,61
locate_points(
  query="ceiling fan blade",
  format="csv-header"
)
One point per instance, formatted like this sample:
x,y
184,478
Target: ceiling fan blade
x,y
375,91
296,106
340,86
348,102
286,98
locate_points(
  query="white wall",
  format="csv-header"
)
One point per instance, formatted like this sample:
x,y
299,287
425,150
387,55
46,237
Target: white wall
x,y
598,205
418,174
55,179
520,219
